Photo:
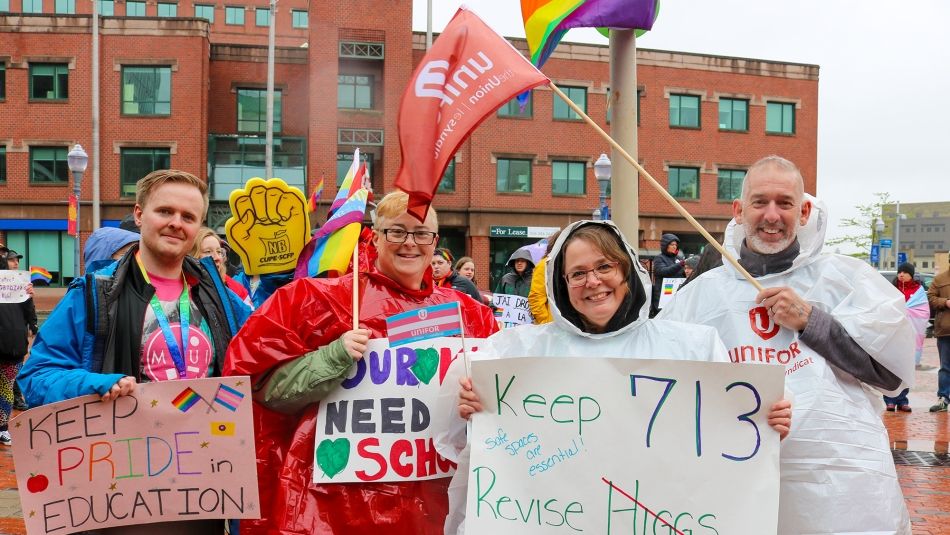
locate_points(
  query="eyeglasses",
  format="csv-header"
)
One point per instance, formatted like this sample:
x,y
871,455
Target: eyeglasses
x,y
420,237
222,253
579,278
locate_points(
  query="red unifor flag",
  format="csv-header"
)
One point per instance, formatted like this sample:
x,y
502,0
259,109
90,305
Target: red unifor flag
x,y
469,72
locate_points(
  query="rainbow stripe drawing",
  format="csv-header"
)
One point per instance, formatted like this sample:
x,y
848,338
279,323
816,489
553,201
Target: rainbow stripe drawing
x,y
186,399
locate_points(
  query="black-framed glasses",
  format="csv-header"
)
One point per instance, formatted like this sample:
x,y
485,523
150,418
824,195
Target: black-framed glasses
x,y
579,278
400,235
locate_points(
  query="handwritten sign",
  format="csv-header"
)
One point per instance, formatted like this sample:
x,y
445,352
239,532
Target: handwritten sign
x,y
668,289
13,286
377,425
173,450
623,446
512,310
269,225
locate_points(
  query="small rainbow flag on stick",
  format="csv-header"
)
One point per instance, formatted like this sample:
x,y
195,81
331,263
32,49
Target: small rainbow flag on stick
x,y
317,191
40,274
186,400
228,397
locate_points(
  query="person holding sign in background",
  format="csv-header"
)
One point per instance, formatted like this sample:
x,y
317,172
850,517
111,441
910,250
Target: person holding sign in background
x,y
301,344
155,315
836,325
599,296
17,324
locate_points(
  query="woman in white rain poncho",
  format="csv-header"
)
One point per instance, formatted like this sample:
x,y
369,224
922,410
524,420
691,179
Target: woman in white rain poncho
x,y
599,298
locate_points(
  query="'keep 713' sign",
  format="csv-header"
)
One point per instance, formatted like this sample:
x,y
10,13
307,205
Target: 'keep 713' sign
x,y
623,446
172,450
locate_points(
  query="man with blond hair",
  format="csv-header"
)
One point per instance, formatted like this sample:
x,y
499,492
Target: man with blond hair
x,y
300,345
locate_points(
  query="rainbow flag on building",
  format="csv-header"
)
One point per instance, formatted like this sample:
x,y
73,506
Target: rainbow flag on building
x,y
186,399
40,274
315,196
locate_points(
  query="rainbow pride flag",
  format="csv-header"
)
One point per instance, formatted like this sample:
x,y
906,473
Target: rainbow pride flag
x,y
40,274
333,243
546,21
317,191
186,399
351,182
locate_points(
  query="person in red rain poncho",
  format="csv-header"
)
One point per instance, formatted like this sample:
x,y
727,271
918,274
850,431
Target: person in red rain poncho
x,y
300,345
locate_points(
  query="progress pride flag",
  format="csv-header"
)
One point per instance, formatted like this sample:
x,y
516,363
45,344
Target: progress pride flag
x,y
469,72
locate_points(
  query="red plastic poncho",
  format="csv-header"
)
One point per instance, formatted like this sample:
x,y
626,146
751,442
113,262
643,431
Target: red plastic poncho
x,y
297,319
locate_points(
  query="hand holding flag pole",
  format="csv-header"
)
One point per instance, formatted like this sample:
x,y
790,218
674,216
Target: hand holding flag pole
x,y
660,189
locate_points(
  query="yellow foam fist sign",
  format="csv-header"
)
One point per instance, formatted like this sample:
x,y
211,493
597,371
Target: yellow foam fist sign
x,y
269,225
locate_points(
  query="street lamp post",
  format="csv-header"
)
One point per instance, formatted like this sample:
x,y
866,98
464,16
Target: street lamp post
x,y
879,226
602,172
898,216
77,160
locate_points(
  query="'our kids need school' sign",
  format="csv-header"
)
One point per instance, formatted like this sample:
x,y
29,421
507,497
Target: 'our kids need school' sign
x,y
378,425
170,451
614,446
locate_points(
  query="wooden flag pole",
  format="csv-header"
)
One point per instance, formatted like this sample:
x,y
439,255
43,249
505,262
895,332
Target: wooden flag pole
x,y
656,185
356,285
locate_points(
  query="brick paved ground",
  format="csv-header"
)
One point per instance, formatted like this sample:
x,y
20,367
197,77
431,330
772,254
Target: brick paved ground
x,y
926,488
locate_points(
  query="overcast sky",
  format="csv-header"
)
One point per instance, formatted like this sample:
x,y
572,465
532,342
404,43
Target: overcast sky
x,y
884,84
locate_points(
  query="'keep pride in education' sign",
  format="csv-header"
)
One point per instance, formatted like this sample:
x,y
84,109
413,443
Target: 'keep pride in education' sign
x,y
614,446
174,450
378,425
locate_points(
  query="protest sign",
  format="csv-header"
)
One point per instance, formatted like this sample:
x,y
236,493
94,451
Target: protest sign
x,y
269,225
668,289
13,286
512,310
377,425
623,446
170,451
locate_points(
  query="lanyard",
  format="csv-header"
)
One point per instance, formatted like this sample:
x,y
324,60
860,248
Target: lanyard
x,y
184,315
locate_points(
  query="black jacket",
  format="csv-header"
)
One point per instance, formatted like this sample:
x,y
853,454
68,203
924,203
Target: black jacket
x,y
665,265
15,319
462,284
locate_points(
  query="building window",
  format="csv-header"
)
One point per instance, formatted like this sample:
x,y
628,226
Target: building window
x,y
203,11
3,81
684,111
262,16
353,49
568,178
65,7
359,136
234,15
48,165
512,108
138,162
3,165
252,110
345,159
146,90
684,182
447,184
780,118
514,175
32,6
167,9
107,8
729,185
563,111
134,9
4,6
301,19
733,114
354,91
49,81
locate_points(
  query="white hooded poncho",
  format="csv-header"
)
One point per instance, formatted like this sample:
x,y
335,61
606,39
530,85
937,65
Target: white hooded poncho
x,y
838,474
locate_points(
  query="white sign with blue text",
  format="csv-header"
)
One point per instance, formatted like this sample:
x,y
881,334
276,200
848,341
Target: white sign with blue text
x,y
612,446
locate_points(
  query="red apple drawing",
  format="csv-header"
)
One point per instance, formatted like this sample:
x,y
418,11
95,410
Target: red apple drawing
x,y
37,483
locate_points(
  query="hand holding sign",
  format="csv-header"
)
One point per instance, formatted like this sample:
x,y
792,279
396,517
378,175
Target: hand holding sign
x,y
269,225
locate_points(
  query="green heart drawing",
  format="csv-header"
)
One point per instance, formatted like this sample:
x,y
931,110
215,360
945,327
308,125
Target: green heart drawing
x,y
427,362
332,455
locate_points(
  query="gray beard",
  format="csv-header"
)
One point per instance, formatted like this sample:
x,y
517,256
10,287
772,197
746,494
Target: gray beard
x,y
758,245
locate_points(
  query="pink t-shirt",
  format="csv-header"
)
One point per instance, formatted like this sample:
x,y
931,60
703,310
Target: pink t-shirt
x,y
157,362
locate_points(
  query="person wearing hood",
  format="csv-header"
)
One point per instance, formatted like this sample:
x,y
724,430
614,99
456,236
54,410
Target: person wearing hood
x,y
443,275
518,279
107,245
918,311
837,326
669,263
598,295
300,344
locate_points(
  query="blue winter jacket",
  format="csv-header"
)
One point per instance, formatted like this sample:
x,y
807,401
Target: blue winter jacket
x,y
68,354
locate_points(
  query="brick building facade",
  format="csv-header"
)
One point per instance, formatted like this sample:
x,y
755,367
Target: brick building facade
x,y
182,84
